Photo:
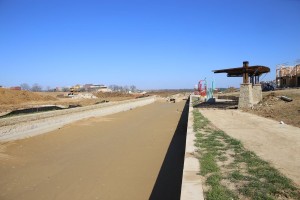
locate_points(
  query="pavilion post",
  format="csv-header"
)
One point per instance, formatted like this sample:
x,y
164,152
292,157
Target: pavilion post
x,y
245,72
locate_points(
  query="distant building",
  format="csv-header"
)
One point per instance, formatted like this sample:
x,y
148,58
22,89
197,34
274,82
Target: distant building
x,y
104,88
288,76
87,87
15,88
58,89
76,88
96,88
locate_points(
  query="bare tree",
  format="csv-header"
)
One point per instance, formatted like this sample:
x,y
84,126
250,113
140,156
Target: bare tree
x,y
126,89
118,88
48,89
36,88
25,86
132,88
65,89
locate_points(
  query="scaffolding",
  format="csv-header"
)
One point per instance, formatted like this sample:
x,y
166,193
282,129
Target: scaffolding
x,y
287,76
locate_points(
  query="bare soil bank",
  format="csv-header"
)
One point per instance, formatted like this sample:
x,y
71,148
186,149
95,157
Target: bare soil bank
x,y
129,155
274,108
15,99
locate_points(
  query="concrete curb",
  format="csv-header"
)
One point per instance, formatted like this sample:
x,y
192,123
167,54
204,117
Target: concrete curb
x,y
31,125
191,183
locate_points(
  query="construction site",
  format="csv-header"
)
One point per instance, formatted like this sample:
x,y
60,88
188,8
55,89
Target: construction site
x,y
288,76
154,145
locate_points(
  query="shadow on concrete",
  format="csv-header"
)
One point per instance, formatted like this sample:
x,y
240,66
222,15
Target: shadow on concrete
x,y
168,182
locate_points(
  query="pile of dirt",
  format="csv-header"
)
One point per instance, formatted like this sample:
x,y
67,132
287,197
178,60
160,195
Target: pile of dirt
x,y
112,94
8,96
272,106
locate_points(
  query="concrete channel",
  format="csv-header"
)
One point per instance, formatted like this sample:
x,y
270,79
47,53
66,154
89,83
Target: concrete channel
x,y
180,181
136,154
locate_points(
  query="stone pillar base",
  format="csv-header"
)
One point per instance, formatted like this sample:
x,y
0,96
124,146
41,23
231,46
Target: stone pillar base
x,y
246,96
257,93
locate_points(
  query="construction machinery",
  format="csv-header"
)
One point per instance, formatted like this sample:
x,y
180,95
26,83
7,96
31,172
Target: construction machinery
x,y
202,87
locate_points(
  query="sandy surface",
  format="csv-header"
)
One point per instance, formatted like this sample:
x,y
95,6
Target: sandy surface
x,y
121,156
277,143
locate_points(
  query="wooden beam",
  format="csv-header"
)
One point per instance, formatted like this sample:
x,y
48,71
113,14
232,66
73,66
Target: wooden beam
x,y
245,72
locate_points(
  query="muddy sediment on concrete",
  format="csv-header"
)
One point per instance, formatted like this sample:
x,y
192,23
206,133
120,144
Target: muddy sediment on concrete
x,y
118,156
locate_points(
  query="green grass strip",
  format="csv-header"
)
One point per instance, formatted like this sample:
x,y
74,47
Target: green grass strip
x,y
260,181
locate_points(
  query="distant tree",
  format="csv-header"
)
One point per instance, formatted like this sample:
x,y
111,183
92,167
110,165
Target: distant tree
x,y
132,88
36,88
48,89
126,89
65,89
118,88
25,86
113,87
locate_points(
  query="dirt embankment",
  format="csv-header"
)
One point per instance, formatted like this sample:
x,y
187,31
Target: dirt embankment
x,y
14,99
11,100
18,97
272,106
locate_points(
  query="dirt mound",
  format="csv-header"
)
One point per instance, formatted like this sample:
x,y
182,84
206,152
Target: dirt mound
x,y
8,96
273,107
112,94
269,97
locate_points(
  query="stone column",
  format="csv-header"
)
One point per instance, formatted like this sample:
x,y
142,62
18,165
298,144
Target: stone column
x,y
246,96
257,93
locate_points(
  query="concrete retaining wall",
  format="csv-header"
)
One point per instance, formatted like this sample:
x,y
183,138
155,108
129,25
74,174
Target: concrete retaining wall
x,y
20,127
191,183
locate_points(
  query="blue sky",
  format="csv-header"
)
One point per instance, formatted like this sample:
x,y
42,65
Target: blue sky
x,y
148,43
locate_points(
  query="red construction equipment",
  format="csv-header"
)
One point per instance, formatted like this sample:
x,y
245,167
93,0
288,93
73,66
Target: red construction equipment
x,y
202,87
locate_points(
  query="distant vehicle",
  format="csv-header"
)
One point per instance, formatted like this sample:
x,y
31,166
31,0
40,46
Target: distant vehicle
x,y
267,87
